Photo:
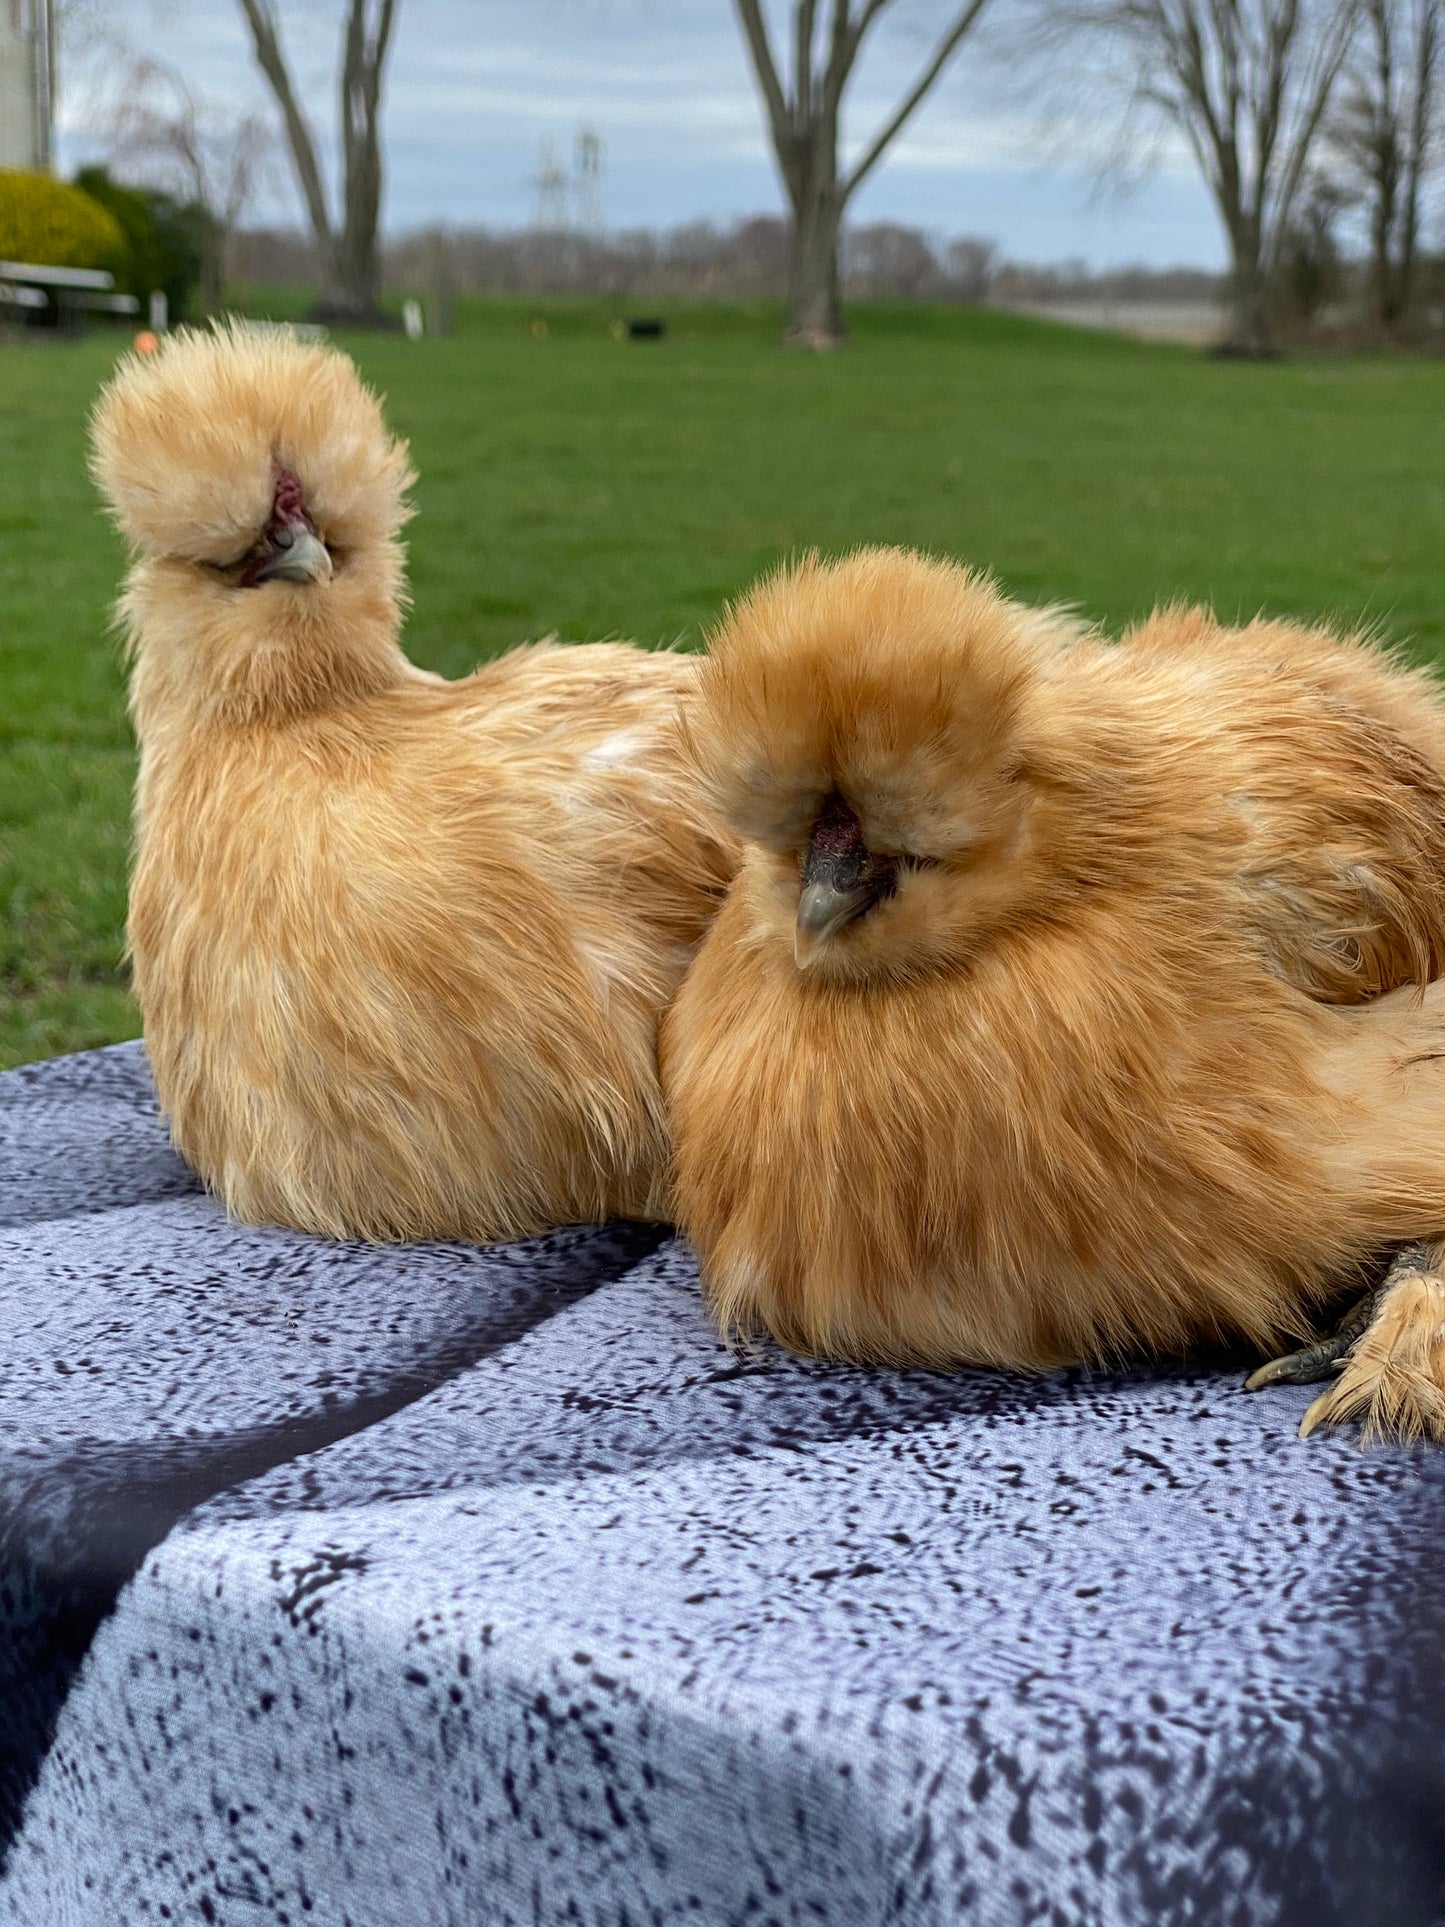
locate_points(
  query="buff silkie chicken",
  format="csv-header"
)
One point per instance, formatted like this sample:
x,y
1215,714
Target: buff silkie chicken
x,y
1055,1014
400,944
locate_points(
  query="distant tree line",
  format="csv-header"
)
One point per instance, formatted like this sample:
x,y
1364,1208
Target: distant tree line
x,y
1320,292
750,259
746,259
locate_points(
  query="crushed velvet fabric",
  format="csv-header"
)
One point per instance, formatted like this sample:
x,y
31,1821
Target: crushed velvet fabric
x,y
443,1585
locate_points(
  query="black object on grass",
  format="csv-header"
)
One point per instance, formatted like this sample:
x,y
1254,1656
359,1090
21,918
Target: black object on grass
x,y
646,328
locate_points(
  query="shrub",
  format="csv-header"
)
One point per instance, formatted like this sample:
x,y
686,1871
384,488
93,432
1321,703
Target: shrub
x,y
183,231
163,238
54,226
138,269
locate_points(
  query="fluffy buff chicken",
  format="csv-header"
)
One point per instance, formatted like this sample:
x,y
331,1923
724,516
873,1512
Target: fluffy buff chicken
x,y
400,944
1056,1012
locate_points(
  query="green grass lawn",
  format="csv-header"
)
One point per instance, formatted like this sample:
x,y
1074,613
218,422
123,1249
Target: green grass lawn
x,y
594,488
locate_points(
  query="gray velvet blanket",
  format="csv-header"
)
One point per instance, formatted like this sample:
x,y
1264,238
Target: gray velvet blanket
x,y
444,1585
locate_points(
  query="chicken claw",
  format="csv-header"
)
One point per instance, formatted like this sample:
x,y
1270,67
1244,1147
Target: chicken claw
x,y
1327,1355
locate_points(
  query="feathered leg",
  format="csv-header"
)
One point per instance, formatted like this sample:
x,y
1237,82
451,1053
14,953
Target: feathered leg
x,y
1393,1378
1387,1356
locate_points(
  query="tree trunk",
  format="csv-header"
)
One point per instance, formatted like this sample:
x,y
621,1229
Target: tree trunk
x,y
815,304
356,270
353,284
298,131
1250,336
348,255
817,196
1381,289
803,122
213,267
1409,243
1421,141
1383,223
1390,298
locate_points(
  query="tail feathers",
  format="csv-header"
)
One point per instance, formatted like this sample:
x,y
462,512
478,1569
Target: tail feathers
x,y
185,445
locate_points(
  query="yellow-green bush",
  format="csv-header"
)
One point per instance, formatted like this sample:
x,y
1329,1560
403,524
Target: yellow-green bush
x,y
54,226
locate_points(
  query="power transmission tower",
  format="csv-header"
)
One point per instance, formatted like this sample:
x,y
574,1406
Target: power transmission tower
x,y
551,186
589,161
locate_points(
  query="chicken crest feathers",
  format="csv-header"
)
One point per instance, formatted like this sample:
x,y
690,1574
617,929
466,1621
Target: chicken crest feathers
x,y
887,676
183,443
194,449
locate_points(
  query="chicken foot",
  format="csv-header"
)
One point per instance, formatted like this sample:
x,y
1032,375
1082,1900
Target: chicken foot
x,y
1327,1355
1387,1356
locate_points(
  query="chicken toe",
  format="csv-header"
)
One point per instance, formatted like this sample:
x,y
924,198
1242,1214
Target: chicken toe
x,y
1393,1378
1327,1355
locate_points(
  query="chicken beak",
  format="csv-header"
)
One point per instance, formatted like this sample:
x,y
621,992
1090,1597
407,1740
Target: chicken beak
x,y
823,909
297,556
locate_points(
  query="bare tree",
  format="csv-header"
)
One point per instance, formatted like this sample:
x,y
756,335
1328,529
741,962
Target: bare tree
x,y
1386,135
1311,270
804,111
197,147
348,249
1248,83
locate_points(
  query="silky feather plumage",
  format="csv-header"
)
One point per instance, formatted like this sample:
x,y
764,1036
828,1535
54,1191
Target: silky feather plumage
x,y
1124,1061
400,944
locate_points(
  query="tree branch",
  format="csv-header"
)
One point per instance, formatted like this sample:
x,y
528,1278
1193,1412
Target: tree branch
x,y
870,12
935,67
380,42
298,132
804,18
755,28
842,49
1332,58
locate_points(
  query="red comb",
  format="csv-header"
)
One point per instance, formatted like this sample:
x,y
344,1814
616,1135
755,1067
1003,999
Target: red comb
x,y
837,834
290,500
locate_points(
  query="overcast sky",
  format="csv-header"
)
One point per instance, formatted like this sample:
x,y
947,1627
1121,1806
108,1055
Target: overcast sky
x,y
476,87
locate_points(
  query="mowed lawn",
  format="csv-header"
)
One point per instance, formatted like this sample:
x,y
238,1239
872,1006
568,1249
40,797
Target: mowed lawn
x,y
592,487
